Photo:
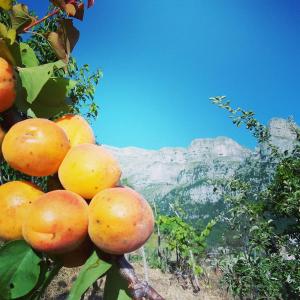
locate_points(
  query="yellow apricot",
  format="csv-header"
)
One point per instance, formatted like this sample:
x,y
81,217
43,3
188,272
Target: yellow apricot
x,y
35,147
77,129
15,199
88,169
7,85
57,222
120,220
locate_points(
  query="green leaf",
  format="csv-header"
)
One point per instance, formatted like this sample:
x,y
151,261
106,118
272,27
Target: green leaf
x,y
34,78
93,269
19,269
116,288
20,17
6,4
51,100
28,56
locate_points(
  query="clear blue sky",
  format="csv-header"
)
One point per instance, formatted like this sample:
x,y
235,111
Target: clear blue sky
x,y
163,59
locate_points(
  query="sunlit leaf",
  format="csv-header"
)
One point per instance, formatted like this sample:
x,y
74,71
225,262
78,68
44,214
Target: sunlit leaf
x,y
5,52
116,288
64,40
93,269
72,8
28,56
20,17
51,101
7,33
6,4
34,78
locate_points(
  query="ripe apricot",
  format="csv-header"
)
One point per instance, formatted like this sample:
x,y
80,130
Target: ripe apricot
x,y
77,129
35,147
120,220
88,169
7,85
15,199
2,134
57,222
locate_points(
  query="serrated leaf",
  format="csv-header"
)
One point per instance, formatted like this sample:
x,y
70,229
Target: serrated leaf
x,y
19,269
116,288
20,17
28,57
51,101
6,4
93,269
64,40
34,78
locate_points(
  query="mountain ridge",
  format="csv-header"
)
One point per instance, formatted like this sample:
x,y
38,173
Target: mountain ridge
x,y
192,175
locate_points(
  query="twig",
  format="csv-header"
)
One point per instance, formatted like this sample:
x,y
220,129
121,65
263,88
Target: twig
x,y
37,22
139,290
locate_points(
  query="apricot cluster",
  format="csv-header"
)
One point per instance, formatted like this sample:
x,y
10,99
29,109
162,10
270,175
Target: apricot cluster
x,y
89,206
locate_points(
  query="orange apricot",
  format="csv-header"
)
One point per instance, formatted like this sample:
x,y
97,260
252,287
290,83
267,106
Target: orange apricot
x,y
57,222
120,220
2,134
15,199
7,85
88,169
77,129
35,147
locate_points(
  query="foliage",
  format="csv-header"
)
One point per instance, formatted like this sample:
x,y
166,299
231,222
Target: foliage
x,y
180,246
264,202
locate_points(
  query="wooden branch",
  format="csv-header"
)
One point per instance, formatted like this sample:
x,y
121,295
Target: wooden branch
x,y
139,289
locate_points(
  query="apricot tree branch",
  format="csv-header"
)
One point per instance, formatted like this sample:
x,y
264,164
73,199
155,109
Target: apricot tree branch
x,y
139,290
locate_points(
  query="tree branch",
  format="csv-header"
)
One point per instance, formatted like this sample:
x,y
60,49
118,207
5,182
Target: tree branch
x,y
139,290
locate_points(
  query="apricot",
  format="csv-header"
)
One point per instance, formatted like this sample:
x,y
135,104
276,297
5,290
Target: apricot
x,y
7,85
15,199
88,169
77,129
2,134
57,222
120,220
35,147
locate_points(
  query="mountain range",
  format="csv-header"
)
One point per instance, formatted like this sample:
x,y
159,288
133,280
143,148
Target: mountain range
x,y
193,177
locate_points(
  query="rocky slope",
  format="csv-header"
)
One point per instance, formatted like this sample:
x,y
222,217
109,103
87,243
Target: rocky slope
x,y
193,176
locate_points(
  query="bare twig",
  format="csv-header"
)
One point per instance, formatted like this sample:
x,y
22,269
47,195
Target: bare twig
x,y
139,290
